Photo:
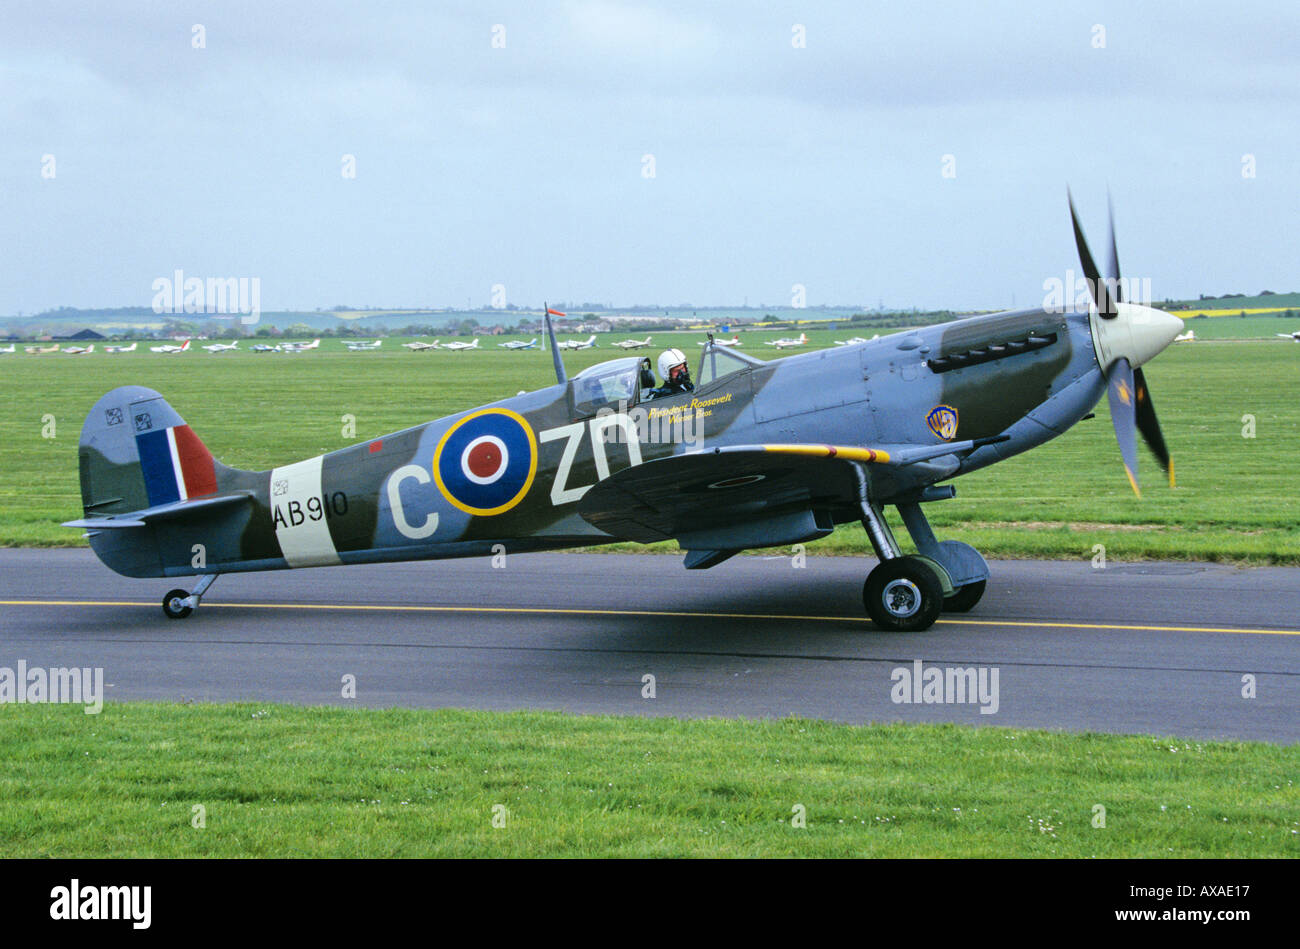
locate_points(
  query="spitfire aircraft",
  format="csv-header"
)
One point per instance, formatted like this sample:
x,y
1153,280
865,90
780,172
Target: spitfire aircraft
x,y
759,454
633,343
588,343
168,349
786,343
120,349
364,347
222,347
519,344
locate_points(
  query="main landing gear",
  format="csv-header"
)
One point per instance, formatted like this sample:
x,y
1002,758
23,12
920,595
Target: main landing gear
x,y
178,604
907,593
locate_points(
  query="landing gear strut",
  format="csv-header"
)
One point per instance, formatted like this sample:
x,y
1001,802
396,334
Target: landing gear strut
x,y
907,593
178,604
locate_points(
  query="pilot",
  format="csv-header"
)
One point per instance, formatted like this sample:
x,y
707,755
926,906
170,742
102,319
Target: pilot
x,y
677,378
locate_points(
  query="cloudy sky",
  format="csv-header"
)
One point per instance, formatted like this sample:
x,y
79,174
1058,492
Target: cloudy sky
x,y
796,143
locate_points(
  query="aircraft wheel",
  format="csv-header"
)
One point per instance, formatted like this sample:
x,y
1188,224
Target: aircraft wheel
x,y
965,598
903,595
176,604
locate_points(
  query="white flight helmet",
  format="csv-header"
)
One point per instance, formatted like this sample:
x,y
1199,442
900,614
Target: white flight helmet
x,y
670,359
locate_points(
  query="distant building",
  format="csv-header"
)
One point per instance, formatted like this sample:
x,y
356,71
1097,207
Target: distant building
x,y
86,334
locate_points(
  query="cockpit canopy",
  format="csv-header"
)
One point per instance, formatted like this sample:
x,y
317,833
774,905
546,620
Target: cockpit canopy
x,y
618,383
717,361
606,384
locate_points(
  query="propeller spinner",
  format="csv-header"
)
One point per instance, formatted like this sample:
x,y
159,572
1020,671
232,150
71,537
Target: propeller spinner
x,y
1126,335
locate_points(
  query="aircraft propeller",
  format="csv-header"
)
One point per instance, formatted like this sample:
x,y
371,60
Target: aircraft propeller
x,y
1131,409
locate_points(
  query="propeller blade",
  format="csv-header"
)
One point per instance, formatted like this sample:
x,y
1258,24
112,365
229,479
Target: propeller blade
x,y
1114,253
1096,286
1123,415
1148,426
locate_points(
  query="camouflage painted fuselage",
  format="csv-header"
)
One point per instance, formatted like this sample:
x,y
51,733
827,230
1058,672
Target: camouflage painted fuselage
x,y
513,473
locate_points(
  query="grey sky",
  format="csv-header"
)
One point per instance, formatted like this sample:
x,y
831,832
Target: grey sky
x,y
523,166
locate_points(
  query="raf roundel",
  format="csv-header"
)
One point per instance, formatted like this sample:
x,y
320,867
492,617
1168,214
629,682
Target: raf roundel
x,y
485,463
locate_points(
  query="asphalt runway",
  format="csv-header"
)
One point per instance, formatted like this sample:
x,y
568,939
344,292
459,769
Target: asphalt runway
x,y
1139,648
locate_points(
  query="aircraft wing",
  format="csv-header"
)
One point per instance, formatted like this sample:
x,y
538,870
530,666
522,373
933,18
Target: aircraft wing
x,y
741,495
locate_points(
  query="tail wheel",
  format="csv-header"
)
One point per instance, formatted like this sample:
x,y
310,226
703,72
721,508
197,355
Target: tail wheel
x,y
176,604
904,595
965,598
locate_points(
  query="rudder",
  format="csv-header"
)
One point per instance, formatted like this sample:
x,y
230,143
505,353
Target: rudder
x,y
137,452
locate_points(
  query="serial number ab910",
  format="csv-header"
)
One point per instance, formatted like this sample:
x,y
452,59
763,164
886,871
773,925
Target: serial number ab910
x,y
293,513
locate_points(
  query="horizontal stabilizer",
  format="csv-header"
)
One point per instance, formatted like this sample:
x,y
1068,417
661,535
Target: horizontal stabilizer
x,y
161,512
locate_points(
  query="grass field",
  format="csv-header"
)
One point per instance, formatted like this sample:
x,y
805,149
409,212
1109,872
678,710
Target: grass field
x,y
1232,326
1236,498
277,780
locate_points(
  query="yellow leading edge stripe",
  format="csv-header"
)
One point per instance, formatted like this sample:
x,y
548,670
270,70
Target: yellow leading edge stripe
x,y
541,610
831,451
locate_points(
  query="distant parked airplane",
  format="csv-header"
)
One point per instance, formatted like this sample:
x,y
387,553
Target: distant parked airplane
x,y
419,347
855,340
80,350
634,343
519,344
165,348
7,349
299,347
1295,336
1188,337
222,347
120,349
574,344
734,342
267,348
461,347
41,350
363,347
786,343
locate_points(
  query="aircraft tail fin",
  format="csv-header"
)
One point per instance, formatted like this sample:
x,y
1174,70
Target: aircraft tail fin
x,y
136,452
138,457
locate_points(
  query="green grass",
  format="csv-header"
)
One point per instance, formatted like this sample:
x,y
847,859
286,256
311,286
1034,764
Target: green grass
x,y
1236,500
288,781
1241,327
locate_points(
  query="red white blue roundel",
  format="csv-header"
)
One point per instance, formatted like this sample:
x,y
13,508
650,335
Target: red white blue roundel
x,y
485,463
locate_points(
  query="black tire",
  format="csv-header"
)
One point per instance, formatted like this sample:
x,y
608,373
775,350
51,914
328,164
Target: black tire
x,y
173,607
903,595
965,598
